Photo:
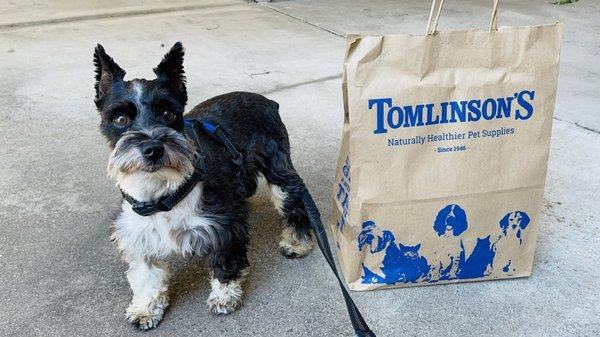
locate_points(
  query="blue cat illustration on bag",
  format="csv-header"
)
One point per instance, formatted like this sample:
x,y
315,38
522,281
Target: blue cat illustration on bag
x,y
479,263
401,263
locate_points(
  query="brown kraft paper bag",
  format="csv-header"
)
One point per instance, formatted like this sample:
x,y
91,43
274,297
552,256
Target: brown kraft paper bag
x,y
444,151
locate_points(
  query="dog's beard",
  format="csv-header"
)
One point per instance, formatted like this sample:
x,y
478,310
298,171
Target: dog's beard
x,y
143,179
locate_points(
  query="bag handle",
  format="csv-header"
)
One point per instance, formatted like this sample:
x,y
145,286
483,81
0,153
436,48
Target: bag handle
x,y
432,30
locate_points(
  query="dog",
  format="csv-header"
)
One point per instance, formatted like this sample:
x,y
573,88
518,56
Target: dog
x,y
450,223
152,157
510,240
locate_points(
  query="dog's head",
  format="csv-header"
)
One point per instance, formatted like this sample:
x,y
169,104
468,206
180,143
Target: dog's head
x,y
513,224
371,235
450,221
143,120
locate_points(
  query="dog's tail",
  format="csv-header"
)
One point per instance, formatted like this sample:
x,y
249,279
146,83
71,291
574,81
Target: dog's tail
x,y
361,329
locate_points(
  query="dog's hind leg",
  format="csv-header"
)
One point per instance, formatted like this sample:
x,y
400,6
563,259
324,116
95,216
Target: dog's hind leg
x,y
286,188
296,238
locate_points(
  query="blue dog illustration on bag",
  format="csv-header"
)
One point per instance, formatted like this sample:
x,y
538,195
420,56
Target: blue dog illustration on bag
x,y
449,224
512,228
404,264
401,263
483,259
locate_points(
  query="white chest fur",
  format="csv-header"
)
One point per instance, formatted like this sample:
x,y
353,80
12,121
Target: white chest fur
x,y
162,233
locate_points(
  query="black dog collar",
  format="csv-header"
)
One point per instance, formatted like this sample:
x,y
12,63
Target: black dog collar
x,y
166,203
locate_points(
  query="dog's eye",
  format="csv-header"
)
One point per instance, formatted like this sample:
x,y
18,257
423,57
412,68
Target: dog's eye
x,y
120,120
169,116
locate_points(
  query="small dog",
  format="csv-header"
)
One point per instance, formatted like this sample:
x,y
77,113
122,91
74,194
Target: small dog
x,y
509,243
143,122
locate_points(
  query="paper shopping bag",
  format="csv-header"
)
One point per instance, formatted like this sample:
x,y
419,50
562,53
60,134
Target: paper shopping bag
x,y
444,151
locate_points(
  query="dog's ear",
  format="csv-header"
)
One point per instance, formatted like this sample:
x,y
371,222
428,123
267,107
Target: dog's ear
x,y
170,71
524,220
504,223
107,72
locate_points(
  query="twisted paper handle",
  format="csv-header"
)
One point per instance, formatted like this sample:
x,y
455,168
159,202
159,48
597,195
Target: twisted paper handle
x,y
431,30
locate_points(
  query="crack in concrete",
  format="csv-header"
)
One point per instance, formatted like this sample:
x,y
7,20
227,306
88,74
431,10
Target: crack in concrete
x,y
577,125
587,128
299,84
107,15
316,25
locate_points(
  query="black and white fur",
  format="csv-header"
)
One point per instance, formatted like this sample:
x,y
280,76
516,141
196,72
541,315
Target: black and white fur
x,y
151,157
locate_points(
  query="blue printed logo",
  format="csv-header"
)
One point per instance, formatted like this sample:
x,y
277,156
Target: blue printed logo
x,y
390,116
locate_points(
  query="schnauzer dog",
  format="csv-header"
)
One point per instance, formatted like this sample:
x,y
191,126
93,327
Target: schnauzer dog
x,y
152,157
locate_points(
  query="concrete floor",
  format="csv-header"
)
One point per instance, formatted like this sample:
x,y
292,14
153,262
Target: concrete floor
x,y
62,277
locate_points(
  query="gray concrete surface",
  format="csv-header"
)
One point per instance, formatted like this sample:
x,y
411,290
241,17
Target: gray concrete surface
x,y
60,275
16,13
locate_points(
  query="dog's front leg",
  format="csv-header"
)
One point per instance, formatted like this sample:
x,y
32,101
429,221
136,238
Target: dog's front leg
x,y
226,295
149,281
228,270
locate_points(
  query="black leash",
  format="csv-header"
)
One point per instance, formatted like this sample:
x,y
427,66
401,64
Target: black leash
x,y
193,128
361,329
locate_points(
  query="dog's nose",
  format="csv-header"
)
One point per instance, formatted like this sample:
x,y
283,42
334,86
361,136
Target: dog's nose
x,y
153,150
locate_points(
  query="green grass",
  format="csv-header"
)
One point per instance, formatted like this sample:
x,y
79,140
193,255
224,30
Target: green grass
x,y
563,2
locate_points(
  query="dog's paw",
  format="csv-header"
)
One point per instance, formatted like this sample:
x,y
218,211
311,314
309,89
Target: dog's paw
x,y
293,247
147,317
143,320
225,298
291,251
223,307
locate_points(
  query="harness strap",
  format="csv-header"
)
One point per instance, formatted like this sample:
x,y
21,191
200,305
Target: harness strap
x,y
216,132
235,155
191,129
